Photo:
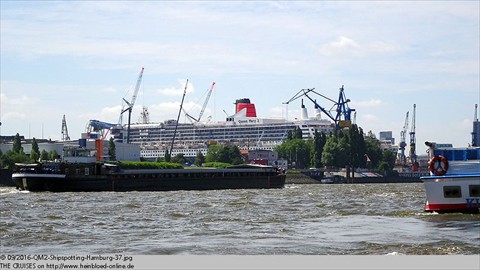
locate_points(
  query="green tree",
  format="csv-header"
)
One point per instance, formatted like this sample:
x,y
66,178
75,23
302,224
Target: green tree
x,y
357,149
336,150
199,159
10,158
112,152
297,151
213,153
318,143
179,158
373,150
44,155
168,157
53,155
234,155
383,168
389,157
224,154
17,144
35,152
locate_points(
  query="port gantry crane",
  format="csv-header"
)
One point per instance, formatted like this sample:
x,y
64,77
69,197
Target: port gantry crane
x,y
191,118
413,154
130,105
65,136
402,158
342,117
96,128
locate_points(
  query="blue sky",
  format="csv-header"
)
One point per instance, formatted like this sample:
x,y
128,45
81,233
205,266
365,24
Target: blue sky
x,y
81,58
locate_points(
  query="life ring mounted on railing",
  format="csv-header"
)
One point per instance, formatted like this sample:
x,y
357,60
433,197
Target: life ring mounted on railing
x,y
438,165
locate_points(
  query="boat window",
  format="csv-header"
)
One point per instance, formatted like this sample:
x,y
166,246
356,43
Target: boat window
x,y
452,192
474,190
77,171
87,171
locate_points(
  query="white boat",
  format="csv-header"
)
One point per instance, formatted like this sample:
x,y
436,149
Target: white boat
x,y
454,181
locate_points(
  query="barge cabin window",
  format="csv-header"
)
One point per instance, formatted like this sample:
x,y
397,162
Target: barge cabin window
x,y
452,192
474,190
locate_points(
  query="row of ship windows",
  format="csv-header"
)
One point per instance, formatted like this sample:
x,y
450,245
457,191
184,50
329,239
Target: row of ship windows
x,y
254,130
219,131
456,191
163,151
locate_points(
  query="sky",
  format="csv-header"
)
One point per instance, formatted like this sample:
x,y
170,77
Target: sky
x,y
81,58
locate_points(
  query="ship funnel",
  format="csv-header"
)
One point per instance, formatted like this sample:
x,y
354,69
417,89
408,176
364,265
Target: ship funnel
x,y
304,112
244,103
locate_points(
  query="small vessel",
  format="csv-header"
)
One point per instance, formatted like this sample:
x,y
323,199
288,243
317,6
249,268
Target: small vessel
x,y
454,181
99,176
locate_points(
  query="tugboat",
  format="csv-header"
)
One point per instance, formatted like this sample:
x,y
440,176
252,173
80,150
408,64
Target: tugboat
x,y
454,181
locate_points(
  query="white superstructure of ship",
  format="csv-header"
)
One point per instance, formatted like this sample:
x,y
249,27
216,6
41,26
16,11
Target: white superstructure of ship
x,y
243,129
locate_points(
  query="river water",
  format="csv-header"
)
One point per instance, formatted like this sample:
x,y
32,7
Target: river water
x,y
343,219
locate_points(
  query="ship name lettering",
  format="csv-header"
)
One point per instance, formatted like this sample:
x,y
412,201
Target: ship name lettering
x,y
473,203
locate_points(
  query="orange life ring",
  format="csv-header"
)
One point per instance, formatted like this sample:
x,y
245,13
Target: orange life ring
x,y
438,165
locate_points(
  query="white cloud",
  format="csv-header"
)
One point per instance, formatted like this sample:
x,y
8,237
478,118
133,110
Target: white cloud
x,y
173,91
343,45
367,103
370,119
62,54
14,115
109,90
385,47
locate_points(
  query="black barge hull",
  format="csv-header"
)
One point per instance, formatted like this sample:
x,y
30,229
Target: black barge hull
x,y
145,183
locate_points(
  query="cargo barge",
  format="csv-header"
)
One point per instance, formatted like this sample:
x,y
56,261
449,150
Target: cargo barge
x,y
84,177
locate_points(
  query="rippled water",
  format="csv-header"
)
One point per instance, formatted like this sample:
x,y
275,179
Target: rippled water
x,y
299,219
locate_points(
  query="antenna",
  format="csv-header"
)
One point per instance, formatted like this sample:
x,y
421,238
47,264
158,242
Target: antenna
x,y
476,127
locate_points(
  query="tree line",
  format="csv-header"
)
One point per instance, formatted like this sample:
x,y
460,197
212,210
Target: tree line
x,y
217,156
17,155
338,149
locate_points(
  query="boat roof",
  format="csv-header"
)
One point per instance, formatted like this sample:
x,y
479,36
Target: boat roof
x,y
248,166
31,165
459,154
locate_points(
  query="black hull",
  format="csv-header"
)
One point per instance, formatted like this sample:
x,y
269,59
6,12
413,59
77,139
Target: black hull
x,y
136,183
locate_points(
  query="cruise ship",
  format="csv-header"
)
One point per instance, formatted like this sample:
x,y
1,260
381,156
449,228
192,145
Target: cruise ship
x,y
243,129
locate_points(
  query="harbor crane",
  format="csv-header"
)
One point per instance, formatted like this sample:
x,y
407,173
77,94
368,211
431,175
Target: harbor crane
x,y
342,112
413,154
203,107
99,126
178,117
402,158
130,104
96,128
65,136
